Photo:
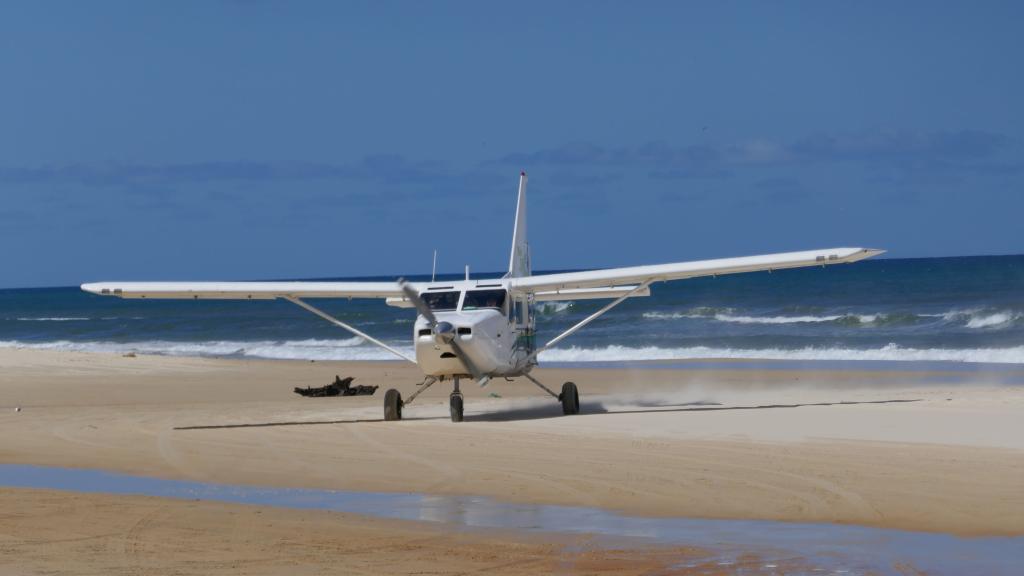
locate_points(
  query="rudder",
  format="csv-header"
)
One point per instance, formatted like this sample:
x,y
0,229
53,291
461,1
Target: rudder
x,y
519,263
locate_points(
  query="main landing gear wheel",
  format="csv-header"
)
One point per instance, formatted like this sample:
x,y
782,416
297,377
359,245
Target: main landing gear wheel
x,y
392,405
570,398
455,406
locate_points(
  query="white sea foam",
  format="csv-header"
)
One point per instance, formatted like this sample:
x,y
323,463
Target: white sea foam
x,y
775,319
742,319
969,318
356,349
553,307
310,349
1014,355
71,318
669,315
981,318
52,319
701,312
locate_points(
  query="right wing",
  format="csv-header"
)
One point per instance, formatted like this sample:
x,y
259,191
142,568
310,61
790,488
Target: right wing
x,y
621,277
244,290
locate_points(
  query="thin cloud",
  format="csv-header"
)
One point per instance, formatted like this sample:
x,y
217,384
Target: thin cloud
x,y
386,167
964,149
963,145
573,153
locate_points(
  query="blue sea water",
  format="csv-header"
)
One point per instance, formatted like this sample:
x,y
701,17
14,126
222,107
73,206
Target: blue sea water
x,y
965,309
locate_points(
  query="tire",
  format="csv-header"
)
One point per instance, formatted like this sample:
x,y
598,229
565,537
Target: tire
x,y
455,407
570,398
392,405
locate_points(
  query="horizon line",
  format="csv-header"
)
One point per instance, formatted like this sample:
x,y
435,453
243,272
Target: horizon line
x,y
479,276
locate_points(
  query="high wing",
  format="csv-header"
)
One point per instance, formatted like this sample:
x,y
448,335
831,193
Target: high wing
x,y
245,290
613,277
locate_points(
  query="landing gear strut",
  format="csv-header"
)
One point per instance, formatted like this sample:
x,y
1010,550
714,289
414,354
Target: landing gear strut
x,y
570,396
393,402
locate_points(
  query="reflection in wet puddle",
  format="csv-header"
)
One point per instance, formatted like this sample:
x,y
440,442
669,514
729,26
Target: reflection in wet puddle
x,y
830,548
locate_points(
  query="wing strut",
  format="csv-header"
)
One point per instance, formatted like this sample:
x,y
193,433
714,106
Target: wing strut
x,y
642,286
351,329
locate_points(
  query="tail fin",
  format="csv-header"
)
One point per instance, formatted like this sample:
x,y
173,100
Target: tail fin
x,y
519,263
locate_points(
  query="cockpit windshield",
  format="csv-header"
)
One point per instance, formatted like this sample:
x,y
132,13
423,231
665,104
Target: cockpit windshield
x,y
479,299
441,300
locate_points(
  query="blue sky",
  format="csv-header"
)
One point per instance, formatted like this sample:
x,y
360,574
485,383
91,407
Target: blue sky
x,y
243,140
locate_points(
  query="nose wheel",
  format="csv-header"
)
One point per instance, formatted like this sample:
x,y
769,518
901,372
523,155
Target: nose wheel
x,y
455,406
455,401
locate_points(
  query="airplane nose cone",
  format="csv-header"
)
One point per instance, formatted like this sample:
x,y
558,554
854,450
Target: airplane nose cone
x,y
444,332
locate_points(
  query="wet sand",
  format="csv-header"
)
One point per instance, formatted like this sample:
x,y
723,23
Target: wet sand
x,y
892,449
50,532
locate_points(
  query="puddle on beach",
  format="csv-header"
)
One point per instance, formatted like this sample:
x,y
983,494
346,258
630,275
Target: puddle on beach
x,y
829,548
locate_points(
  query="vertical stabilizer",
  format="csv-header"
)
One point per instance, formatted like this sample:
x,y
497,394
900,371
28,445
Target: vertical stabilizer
x,y
519,263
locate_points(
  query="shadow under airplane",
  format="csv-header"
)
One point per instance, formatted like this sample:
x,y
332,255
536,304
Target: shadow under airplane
x,y
553,411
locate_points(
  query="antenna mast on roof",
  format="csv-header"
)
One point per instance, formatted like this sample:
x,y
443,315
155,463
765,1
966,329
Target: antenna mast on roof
x,y
433,271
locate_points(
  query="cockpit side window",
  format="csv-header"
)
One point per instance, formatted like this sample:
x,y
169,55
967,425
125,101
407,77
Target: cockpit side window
x,y
482,299
441,301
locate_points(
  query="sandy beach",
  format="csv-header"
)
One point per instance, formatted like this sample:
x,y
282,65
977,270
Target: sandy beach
x,y
894,449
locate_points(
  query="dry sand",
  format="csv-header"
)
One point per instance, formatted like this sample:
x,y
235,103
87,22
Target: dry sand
x,y
887,449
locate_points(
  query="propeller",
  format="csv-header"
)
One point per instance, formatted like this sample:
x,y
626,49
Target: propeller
x,y
444,332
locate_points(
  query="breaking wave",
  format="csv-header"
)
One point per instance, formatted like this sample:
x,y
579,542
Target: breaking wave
x,y
775,319
309,349
1014,355
52,319
356,349
975,319
553,307
802,319
984,318
699,312
71,318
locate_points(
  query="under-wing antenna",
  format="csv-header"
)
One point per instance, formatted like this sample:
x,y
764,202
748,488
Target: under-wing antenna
x,y
433,271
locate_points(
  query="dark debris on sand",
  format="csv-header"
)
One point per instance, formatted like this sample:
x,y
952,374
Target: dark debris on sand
x,y
340,387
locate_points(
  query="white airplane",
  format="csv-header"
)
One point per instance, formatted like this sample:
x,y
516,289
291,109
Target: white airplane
x,y
482,329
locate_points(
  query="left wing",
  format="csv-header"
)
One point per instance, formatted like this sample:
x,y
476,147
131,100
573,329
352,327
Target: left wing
x,y
245,290
619,277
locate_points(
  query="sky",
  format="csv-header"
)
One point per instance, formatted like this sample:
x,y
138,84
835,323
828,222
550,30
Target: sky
x,y
265,140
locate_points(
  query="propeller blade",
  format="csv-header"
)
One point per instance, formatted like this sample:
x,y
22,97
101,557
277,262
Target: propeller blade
x,y
418,302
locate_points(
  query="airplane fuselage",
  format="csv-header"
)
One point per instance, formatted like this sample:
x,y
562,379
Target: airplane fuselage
x,y
493,328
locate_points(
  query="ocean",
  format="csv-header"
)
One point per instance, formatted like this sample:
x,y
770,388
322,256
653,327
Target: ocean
x,y
964,309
